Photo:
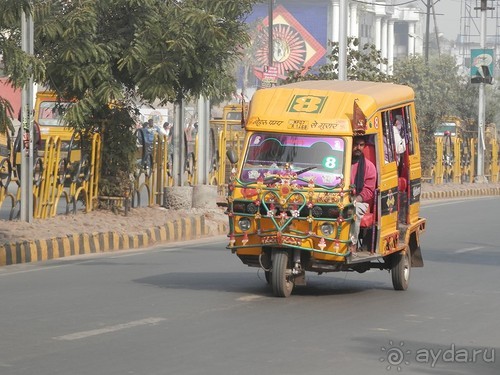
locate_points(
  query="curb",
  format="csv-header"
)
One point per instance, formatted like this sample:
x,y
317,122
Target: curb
x,y
490,191
183,229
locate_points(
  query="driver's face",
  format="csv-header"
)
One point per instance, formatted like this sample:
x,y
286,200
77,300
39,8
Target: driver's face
x,y
358,146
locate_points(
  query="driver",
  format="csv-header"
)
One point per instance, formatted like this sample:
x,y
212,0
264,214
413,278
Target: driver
x,y
364,177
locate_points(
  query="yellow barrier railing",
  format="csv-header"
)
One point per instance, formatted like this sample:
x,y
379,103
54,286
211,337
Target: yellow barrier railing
x,y
75,178
456,161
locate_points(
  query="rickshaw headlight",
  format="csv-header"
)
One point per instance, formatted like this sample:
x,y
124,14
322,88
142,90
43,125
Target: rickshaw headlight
x,y
252,208
333,212
239,207
326,229
244,224
317,211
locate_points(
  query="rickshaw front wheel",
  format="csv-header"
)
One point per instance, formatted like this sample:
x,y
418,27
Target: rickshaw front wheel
x,y
267,275
281,275
400,270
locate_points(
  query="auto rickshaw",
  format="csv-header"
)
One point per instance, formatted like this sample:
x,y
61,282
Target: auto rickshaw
x,y
290,198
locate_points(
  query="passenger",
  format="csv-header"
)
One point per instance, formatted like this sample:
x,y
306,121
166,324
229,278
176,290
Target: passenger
x,y
399,143
364,178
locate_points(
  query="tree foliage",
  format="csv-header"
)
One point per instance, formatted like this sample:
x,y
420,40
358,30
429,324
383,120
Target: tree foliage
x,y
363,64
440,90
112,50
436,85
14,63
127,52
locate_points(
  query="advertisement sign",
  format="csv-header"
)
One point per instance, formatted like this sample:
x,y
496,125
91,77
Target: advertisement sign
x,y
481,65
269,76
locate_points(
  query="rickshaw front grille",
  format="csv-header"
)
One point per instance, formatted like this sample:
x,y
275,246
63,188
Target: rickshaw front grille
x,y
326,211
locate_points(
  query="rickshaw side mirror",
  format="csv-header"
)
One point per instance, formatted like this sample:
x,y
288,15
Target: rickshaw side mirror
x,y
232,156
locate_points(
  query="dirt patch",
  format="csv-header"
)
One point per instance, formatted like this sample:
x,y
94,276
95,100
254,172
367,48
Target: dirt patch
x,y
136,221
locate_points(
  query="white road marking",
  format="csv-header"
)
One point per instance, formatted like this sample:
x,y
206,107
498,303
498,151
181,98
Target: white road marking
x,y
250,297
100,331
467,249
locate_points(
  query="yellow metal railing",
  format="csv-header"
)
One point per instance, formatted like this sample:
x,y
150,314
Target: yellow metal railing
x,y
453,164
74,177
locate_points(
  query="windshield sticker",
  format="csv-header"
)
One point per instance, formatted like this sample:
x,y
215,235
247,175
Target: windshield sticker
x,y
330,162
336,144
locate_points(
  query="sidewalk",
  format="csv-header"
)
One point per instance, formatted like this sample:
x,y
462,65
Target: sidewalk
x,y
195,226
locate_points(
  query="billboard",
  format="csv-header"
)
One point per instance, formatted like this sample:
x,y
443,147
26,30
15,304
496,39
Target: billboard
x,y
482,65
299,37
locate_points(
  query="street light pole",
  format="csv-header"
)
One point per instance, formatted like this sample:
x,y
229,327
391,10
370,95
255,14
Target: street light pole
x,y
343,41
26,128
480,178
270,32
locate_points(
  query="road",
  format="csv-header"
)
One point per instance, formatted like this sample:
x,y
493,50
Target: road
x,y
193,308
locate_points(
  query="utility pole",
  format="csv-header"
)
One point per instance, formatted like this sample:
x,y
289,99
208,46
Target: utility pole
x,y
203,155
343,41
436,30
178,143
26,129
480,177
270,32
427,26
429,5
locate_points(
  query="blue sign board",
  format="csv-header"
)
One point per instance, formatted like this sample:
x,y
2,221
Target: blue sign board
x,y
482,62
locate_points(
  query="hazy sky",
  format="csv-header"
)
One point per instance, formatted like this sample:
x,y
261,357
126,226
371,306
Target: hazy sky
x,y
450,17
447,16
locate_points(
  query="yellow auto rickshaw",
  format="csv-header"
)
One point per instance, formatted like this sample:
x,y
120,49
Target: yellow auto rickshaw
x,y
291,203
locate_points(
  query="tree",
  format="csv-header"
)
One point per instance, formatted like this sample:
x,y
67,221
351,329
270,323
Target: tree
x,y
14,63
362,64
126,52
440,91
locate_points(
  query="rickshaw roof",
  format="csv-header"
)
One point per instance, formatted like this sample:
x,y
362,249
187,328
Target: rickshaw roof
x,y
334,104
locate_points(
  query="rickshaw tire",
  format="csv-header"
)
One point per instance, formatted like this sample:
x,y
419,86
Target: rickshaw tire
x,y
400,270
267,275
281,283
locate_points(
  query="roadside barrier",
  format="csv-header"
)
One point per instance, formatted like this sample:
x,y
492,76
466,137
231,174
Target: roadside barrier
x,y
67,181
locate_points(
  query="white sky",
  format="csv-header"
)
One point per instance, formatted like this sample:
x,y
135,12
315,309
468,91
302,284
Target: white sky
x,y
450,17
447,17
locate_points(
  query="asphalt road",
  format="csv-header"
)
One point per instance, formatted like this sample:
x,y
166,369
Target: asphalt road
x,y
193,308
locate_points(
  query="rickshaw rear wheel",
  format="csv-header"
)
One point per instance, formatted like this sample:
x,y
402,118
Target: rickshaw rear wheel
x,y
400,270
281,275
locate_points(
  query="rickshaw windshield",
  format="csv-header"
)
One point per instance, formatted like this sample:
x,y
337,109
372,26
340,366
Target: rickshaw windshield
x,y
318,158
